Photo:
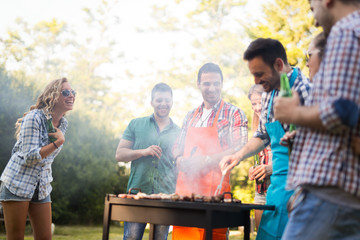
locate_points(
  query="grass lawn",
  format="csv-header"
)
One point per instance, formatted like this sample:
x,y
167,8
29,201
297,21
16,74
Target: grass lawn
x,y
95,233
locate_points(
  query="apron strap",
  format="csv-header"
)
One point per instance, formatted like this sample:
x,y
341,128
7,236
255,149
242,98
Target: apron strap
x,y
218,113
216,117
270,105
293,76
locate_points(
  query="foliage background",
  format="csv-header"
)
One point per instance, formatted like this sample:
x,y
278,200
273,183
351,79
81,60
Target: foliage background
x,y
114,88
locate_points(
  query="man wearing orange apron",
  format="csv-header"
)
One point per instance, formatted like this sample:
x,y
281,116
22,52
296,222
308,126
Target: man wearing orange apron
x,y
208,133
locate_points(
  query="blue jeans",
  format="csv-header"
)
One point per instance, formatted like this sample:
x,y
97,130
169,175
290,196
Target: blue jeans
x,y
316,219
135,231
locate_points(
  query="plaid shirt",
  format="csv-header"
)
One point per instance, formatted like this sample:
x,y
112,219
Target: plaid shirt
x,y
325,157
232,126
26,168
301,85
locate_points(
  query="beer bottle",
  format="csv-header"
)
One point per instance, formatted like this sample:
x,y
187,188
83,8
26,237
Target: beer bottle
x,y
51,129
257,163
285,91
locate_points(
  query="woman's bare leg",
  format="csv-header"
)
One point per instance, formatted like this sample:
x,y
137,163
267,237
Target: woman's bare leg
x,y
15,213
40,218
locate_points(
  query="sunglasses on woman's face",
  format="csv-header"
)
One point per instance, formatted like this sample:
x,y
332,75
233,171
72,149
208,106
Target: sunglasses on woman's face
x,y
309,53
66,93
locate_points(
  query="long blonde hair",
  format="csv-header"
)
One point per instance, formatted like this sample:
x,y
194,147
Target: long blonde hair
x,y
45,101
255,89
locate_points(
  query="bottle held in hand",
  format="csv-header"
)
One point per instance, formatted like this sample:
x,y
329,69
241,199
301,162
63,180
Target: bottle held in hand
x,y
285,91
257,163
51,129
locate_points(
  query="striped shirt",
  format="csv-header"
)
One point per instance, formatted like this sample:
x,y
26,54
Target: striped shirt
x,y
301,85
232,126
325,157
26,168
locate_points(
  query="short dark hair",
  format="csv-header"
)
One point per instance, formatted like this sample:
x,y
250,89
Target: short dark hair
x,y
209,68
266,48
161,87
320,43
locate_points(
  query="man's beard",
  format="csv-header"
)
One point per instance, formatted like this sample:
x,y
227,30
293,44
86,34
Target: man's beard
x,y
327,21
274,81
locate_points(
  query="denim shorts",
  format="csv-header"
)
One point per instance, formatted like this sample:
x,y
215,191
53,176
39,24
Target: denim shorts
x,y
6,195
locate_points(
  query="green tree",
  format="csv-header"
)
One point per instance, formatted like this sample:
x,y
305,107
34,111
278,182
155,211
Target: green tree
x,y
84,172
215,36
14,101
290,22
86,168
52,49
33,54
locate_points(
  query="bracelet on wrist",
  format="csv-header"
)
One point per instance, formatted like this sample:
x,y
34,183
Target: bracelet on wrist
x,y
55,145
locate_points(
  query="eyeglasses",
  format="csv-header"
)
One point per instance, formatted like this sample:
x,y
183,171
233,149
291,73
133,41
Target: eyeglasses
x,y
309,53
66,93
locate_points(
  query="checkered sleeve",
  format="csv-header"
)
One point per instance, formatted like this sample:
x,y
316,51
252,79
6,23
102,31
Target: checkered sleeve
x,y
342,68
239,128
302,86
31,139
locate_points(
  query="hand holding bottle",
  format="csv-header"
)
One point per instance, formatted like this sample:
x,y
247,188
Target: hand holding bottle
x,y
285,91
51,129
58,136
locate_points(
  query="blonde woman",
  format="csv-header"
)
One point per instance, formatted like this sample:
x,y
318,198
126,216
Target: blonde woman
x,y
25,187
264,170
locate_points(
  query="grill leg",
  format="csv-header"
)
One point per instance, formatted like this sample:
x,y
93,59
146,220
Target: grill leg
x,y
106,220
151,232
247,227
208,234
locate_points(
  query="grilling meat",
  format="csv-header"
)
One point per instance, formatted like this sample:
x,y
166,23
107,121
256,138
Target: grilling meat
x,y
122,195
175,197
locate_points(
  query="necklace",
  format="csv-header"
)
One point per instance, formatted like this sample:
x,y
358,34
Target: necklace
x,y
206,118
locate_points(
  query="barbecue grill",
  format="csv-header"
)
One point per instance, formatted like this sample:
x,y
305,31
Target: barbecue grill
x,y
179,213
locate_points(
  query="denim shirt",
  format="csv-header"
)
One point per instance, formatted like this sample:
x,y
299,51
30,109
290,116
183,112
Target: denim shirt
x,y
26,169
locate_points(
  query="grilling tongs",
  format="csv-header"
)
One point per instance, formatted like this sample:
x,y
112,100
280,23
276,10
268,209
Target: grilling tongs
x,y
219,187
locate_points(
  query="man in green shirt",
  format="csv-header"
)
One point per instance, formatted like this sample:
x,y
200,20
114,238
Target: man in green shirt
x,y
147,143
